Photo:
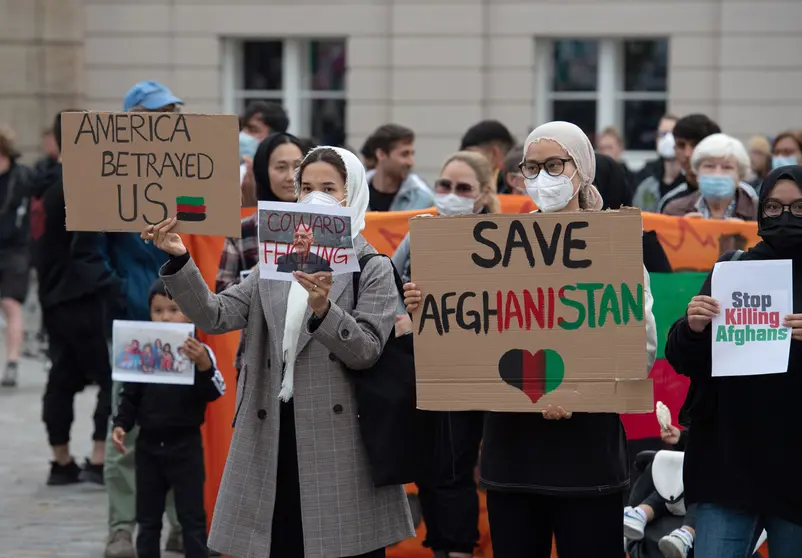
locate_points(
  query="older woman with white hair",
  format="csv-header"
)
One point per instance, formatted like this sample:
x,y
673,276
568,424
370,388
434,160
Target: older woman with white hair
x,y
557,475
720,163
297,482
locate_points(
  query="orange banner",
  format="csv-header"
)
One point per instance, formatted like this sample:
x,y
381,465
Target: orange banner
x,y
691,244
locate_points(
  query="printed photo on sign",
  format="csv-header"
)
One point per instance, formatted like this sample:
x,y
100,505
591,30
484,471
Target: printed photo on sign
x,y
747,336
125,171
304,237
152,352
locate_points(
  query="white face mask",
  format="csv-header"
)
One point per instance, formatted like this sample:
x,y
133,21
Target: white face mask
x,y
452,204
551,193
320,198
665,146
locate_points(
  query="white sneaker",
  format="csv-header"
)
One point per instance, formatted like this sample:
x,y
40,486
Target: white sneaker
x,y
676,544
634,524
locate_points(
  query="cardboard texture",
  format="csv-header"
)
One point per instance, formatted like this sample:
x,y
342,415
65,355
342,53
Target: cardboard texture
x,y
529,310
124,171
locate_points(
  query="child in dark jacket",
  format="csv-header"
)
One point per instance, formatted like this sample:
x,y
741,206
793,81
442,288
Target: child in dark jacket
x,y
169,449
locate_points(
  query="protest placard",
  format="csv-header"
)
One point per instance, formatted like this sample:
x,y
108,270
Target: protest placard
x,y
151,352
748,337
304,237
525,311
124,171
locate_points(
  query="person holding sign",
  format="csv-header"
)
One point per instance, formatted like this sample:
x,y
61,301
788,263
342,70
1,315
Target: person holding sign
x,y
743,459
556,474
297,481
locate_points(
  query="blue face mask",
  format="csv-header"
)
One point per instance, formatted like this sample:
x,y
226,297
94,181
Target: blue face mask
x,y
716,186
780,161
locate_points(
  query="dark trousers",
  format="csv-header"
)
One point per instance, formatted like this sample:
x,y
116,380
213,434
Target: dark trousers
x,y
658,504
287,536
449,502
522,525
164,461
80,357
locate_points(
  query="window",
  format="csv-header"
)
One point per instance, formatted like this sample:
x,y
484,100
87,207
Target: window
x,y
306,76
599,83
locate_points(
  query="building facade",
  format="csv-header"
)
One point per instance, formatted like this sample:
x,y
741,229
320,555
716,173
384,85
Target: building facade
x,y
343,67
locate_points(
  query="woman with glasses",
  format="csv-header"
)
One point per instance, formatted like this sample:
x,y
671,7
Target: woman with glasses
x,y
557,475
742,461
449,503
720,163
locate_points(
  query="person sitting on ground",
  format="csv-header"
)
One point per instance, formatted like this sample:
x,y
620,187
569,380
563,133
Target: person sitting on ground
x,y
720,164
169,447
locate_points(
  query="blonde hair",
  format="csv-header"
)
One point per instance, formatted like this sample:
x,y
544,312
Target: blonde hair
x,y
484,175
613,132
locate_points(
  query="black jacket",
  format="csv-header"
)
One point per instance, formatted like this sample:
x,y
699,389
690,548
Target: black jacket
x,y
165,407
69,264
613,183
746,448
15,190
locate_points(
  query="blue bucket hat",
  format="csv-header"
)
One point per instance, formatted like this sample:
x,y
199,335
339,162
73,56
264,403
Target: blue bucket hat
x,y
150,95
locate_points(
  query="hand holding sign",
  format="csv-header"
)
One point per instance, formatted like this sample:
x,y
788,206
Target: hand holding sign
x,y
317,286
701,311
412,297
794,321
163,237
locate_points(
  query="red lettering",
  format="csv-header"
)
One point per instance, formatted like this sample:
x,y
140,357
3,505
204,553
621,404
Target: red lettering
x,y
277,249
729,316
530,308
551,308
339,256
339,225
512,300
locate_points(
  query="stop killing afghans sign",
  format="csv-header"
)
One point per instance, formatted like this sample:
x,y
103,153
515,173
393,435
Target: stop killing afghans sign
x,y
124,171
524,311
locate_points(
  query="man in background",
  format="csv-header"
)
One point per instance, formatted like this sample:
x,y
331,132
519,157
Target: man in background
x,y
659,177
262,119
16,182
392,184
492,139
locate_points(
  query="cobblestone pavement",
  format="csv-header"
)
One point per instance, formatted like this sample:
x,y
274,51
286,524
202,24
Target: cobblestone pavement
x,y
38,521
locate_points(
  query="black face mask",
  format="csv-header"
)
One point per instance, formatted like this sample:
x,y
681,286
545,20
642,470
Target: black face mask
x,y
783,233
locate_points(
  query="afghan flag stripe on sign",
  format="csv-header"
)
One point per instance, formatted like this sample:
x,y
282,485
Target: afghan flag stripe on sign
x,y
190,208
181,208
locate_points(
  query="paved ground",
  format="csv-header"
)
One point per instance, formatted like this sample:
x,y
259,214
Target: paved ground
x,y
38,521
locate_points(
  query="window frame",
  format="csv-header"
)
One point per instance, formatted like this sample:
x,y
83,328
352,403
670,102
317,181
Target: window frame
x,y
609,95
296,94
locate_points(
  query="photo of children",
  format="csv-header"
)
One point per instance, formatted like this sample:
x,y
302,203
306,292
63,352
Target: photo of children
x,y
152,352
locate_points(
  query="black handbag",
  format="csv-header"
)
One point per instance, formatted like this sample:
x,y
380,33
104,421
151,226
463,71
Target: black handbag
x,y
400,439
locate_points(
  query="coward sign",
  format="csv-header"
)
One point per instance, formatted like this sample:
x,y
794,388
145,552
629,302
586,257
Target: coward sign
x,y
524,311
124,171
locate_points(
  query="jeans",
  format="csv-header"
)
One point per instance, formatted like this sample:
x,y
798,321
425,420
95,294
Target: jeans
x,y
725,533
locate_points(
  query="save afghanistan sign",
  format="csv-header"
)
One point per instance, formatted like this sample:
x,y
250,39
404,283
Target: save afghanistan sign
x,y
525,311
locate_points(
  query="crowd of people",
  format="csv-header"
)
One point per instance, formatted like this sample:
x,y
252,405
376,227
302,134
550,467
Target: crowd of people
x,y
297,480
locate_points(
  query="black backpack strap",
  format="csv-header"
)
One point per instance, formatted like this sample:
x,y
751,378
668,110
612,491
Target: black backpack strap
x,y
358,274
736,255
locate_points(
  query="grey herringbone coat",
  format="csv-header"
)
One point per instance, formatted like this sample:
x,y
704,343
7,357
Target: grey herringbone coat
x,y
343,514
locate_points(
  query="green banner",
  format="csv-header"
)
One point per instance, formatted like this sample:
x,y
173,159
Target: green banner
x,y
672,292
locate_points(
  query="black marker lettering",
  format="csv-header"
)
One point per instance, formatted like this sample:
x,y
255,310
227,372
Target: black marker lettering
x,y
120,203
574,244
486,263
548,249
516,238
154,202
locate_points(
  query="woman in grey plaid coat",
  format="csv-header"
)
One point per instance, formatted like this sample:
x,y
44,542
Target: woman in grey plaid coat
x,y
297,481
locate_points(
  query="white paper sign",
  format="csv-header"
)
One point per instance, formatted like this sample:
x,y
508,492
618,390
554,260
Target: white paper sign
x,y
748,337
151,352
304,237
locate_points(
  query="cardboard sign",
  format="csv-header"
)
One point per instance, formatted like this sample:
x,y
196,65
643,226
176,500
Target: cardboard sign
x,y
151,352
748,336
124,171
304,237
529,310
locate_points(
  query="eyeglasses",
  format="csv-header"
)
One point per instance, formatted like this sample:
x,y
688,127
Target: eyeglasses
x,y
554,167
774,208
446,186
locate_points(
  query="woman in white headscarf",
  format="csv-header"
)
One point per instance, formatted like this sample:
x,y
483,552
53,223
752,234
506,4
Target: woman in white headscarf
x,y
557,475
297,481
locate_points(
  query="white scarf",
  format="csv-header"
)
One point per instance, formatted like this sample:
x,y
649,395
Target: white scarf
x,y
356,196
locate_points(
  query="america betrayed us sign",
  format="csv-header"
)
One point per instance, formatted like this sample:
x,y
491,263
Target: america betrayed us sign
x,y
529,310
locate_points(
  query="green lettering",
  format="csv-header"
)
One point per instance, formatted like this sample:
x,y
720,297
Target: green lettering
x,y
590,289
631,304
580,310
770,335
782,334
721,334
609,305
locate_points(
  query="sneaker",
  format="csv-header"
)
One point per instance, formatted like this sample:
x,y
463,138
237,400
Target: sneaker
x,y
676,544
10,375
119,545
63,474
634,524
175,542
92,473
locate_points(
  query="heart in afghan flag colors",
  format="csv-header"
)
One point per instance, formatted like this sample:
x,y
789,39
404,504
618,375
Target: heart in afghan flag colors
x,y
534,374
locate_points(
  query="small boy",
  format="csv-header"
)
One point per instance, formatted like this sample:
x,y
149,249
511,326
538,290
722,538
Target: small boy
x,y
169,450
